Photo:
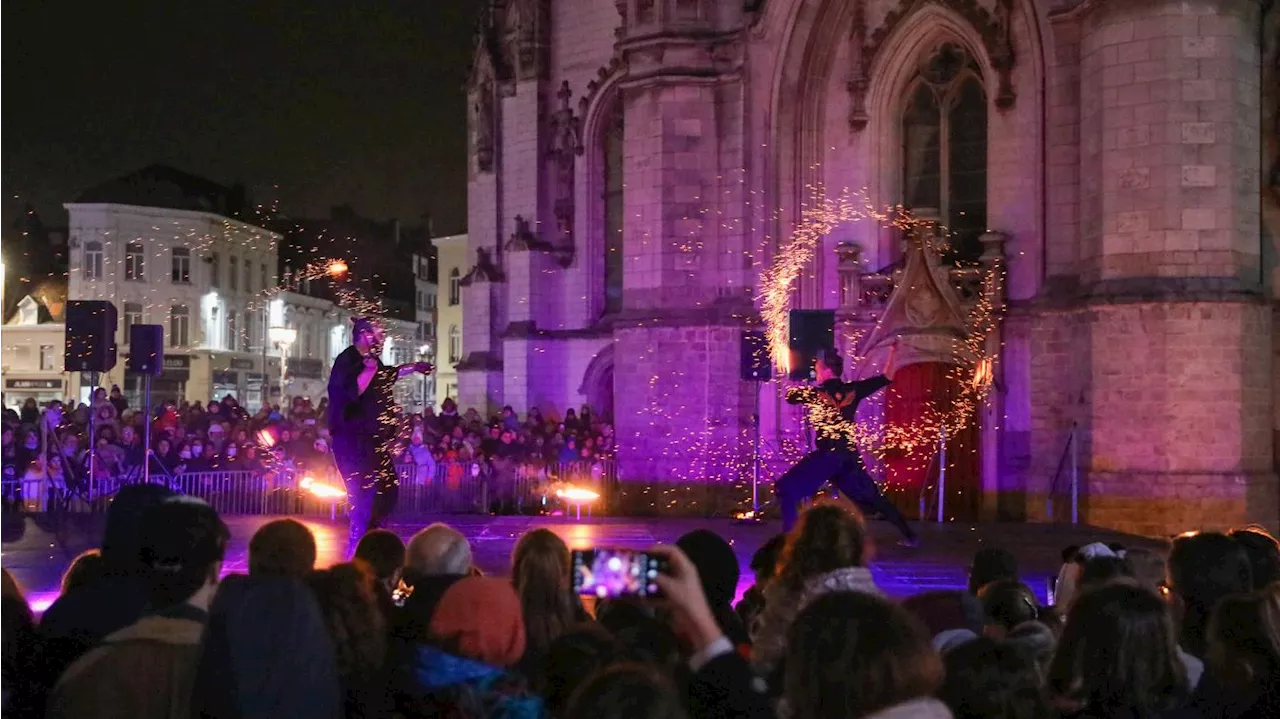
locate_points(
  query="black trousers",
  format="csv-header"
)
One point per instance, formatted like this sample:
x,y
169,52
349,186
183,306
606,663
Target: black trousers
x,y
370,478
850,477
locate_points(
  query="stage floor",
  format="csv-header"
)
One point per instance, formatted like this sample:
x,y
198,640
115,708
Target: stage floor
x,y
37,557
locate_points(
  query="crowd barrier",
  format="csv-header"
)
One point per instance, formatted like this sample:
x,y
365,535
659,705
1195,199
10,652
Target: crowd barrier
x,y
469,487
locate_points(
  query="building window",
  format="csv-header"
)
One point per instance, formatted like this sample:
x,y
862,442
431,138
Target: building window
x,y
455,344
265,280
944,148
455,287
48,358
132,316
248,275
215,269
93,260
251,330
179,325
613,218
134,262
233,273
181,265
233,330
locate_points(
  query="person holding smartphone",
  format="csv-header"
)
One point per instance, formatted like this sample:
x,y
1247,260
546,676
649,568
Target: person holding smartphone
x,y
364,421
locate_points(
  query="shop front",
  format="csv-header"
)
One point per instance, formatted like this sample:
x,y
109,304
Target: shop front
x,y
171,385
42,389
304,377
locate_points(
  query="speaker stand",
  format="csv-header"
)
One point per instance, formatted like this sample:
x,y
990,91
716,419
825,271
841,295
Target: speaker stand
x,y
146,429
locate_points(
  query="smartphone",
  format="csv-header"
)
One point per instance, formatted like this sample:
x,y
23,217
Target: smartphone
x,y
614,573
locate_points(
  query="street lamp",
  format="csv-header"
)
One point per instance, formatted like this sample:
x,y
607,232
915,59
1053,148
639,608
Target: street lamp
x,y
282,337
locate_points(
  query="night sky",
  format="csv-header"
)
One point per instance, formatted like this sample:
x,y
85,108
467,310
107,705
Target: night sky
x,y
311,103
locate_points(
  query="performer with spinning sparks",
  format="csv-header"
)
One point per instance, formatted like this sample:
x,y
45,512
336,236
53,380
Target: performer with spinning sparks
x,y
834,459
364,421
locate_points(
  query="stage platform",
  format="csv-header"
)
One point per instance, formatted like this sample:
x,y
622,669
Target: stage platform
x,y
37,556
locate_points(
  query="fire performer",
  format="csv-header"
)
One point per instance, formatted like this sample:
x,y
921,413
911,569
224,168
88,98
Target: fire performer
x,y
364,422
834,460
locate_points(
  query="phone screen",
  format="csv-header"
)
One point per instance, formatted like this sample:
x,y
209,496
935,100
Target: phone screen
x,y
612,573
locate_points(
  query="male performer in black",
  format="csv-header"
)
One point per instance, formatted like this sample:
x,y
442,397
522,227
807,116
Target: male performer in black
x,y
834,459
364,422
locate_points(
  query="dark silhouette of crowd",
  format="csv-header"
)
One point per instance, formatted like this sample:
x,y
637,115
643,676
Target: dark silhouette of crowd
x,y
147,627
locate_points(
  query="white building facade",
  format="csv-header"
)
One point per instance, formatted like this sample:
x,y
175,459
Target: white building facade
x,y
425,302
202,276
453,264
31,353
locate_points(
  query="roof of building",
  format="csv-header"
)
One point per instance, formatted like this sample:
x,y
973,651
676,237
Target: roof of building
x,y
168,187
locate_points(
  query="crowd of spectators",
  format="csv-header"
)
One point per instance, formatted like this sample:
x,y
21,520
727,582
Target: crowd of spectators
x,y
222,436
147,628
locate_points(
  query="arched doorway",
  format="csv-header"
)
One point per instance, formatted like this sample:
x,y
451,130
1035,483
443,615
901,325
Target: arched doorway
x,y
597,383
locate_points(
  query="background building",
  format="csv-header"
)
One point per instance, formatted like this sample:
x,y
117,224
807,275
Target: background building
x,y
31,352
635,165
164,246
453,264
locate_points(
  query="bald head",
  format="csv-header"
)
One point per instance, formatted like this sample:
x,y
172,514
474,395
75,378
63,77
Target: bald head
x,y
437,550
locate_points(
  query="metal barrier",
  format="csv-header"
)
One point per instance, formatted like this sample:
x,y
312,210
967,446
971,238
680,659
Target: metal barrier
x,y
448,488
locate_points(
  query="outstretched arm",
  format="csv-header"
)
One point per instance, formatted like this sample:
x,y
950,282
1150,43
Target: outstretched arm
x,y
409,368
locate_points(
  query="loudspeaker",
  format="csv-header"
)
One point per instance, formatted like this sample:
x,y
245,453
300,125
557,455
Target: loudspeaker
x,y
146,350
808,333
756,366
90,336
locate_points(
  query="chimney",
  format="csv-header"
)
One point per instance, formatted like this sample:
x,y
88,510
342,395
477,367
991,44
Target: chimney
x,y
395,231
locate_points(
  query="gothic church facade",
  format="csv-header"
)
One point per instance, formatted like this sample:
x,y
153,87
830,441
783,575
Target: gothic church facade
x,y
636,165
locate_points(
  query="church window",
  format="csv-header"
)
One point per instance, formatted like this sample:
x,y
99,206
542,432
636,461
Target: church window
x,y
613,211
944,148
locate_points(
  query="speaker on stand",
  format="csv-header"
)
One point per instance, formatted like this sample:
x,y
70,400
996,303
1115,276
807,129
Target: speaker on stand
x,y
755,366
146,358
90,347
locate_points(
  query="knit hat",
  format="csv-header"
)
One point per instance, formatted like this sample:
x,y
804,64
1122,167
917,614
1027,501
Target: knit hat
x,y
952,638
480,618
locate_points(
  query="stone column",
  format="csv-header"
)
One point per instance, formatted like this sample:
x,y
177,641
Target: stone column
x,y
1176,333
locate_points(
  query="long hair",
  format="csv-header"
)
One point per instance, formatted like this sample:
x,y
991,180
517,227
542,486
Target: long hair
x,y
540,567
1118,652
626,691
828,537
851,654
349,605
1244,640
989,678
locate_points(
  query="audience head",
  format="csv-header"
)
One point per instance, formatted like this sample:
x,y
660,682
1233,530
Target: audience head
x,y
764,563
120,540
10,588
182,543
1007,603
1244,640
266,652
1117,654
991,564
479,618
384,552
17,640
84,570
1148,568
626,691
282,548
851,654
828,537
1204,568
438,550
988,678
571,658
716,563
540,568
348,603
1263,551
1100,571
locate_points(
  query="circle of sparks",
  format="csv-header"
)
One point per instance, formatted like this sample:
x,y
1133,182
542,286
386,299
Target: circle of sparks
x,y
973,380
